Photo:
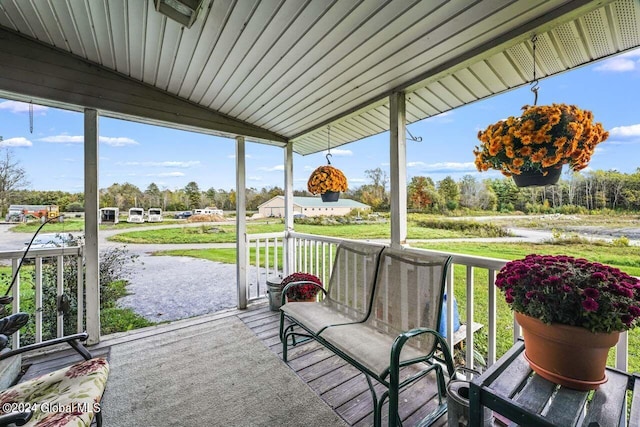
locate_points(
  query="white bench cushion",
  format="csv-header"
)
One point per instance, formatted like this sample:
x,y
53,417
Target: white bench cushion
x,y
315,315
368,346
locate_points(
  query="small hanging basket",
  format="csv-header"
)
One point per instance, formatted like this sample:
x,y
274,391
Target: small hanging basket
x,y
534,178
330,196
327,179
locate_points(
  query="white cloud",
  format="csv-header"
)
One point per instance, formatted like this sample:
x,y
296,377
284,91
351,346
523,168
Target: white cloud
x,y
64,139
79,139
339,152
416,164
621,63
119,141
254,178
21,107
275,168
357,180
445,117
626,131
16,142
450,167
617,65
167,164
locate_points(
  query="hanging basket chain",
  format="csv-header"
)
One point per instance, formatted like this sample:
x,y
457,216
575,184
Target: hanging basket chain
x,y
31,116
534,83
328,144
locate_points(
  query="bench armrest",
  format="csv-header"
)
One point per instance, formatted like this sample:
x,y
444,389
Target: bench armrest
x,y
401,340
72,340
15,418
303,282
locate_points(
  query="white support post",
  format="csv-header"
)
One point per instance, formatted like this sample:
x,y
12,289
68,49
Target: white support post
x,y
91,205
288,210
241,223
398,160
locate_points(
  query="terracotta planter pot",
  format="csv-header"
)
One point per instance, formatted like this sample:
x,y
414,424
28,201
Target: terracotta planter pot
x,y
534,178
567,355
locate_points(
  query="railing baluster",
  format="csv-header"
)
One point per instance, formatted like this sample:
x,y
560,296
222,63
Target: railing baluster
x,y
16,300
316,262
267,242
491,356
257,265
450,297
276,270
80,278
38,299
622,352
470,363
60,292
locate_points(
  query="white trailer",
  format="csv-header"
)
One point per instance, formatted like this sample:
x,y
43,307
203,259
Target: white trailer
x,y
154,215
136,215
109,215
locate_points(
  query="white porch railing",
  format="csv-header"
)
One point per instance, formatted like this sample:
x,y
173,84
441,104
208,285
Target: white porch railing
x,y
35,260
264,255
314,254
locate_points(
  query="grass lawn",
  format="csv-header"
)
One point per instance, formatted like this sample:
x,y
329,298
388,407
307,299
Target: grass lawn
x,y
227,234
625,258
77,225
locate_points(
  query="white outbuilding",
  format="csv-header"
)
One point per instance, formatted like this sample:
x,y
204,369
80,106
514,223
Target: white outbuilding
x,y
310,206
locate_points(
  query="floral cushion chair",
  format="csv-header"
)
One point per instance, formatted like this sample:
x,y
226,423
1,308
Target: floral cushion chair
x,y
67,397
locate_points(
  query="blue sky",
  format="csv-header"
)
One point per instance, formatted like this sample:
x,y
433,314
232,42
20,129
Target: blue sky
x,y
141,154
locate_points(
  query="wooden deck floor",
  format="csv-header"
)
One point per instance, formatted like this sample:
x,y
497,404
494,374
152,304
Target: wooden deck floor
x,y
343,387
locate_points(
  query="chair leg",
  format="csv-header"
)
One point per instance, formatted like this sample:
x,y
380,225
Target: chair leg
x,y
98,419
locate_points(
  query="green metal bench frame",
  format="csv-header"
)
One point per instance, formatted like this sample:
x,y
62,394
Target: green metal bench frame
x,y
434,358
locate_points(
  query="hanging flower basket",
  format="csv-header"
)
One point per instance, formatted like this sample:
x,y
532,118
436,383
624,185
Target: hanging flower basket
x,y
327,179
541,140
537,178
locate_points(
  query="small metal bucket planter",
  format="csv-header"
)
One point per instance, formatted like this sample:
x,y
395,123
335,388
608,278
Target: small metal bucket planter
x,y
458,401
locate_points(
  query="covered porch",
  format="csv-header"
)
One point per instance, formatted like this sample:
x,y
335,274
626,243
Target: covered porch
x,y
283,73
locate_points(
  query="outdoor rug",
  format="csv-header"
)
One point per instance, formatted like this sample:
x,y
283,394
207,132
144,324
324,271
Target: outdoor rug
x,y
214,374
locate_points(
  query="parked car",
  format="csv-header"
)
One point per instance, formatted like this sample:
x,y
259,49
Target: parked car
x,y
52,240
183,215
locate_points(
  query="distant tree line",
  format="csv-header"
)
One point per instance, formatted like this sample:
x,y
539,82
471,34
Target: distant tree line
x,y
575,193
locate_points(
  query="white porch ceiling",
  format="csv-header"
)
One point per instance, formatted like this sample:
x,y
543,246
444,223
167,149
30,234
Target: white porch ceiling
x,y
282,70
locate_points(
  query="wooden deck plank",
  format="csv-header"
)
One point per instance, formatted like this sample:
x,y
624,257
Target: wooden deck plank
x,y
321,368
339,384
42,364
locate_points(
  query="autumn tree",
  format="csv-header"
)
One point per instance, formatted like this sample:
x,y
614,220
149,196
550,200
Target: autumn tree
x,y
375,194
12,178
449,192
422,193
